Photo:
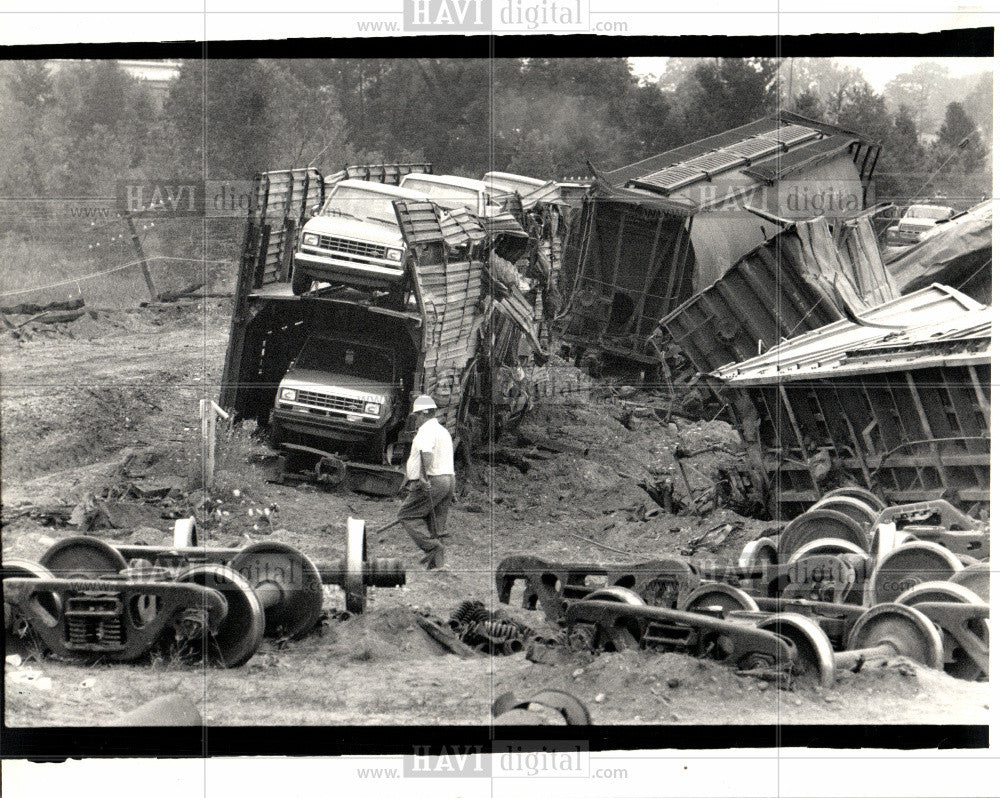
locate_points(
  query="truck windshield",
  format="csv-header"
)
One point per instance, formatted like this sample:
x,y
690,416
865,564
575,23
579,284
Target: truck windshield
x,y
936,212
344,357
446,195
360,204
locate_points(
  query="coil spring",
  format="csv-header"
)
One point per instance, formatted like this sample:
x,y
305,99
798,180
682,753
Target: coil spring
x,y
468,613
500,631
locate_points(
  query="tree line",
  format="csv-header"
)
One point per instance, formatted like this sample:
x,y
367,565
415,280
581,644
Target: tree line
x,y
77,128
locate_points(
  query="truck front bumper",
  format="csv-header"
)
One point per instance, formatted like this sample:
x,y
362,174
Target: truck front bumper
x,y
338,270
318,425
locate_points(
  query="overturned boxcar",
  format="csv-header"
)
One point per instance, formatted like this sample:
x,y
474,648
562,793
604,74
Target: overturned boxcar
x,y
897,401
654,233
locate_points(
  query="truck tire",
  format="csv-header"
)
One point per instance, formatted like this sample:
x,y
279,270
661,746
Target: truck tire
x,y
274,436
301,282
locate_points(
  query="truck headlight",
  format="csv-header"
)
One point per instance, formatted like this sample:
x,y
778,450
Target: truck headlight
x,y
394,254
373,408
310,240
288,394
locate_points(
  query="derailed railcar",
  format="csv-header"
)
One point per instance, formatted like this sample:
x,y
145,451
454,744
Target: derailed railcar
x,y
897,402
810,274
333,370
654,233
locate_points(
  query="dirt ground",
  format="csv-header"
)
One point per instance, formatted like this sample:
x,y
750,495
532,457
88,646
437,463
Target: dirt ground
x,y
110,400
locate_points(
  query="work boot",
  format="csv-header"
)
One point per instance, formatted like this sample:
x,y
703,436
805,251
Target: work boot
x,y
434,559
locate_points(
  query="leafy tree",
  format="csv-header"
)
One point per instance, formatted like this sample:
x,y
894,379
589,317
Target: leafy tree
x,y
809,104
902,165
224,117
823,78
959,157
725,93
29,83
915,89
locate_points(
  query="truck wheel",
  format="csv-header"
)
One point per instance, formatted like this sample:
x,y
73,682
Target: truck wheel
x,y
274,436
301,282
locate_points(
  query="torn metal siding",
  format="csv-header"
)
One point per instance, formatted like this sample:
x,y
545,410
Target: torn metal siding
x,y
902,408
457,298
698,194
282,200
449,293
799,280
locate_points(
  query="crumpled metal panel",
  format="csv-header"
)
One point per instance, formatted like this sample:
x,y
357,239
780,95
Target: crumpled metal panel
x,y
419,222
799,280
456,298
899,404
958,252
935,315
449,294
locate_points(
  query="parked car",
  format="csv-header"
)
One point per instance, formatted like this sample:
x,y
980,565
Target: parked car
x,y
917,222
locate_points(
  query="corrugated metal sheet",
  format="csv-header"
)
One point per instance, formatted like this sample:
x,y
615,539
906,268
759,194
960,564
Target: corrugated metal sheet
x,y
787,163
286,194
799,280
449,295
716,162
934,315
655,163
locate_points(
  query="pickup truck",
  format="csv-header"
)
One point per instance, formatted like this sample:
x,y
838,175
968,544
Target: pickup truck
x,y
340,391
354,239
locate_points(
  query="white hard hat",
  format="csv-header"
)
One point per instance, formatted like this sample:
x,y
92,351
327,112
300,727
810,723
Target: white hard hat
x,y
424,402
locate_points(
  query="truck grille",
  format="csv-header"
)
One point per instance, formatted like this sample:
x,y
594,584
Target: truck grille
x,y
350,247
328,402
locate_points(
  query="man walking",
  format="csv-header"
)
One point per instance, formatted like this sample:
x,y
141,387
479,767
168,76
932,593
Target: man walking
x,y
430,475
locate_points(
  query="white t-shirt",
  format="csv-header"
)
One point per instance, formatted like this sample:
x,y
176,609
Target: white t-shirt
x,y
433,438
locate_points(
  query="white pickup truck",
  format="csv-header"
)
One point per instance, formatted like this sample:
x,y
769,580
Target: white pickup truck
x,y
354,240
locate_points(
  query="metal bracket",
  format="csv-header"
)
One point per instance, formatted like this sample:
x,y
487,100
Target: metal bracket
x,y
551,586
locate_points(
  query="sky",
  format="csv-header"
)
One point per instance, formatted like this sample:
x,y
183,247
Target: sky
x,y
878,71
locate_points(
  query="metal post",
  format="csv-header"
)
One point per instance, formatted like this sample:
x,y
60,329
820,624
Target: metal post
x,y
207,443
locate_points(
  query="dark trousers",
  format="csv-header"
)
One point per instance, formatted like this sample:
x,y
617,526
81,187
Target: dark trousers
x,y
423,508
